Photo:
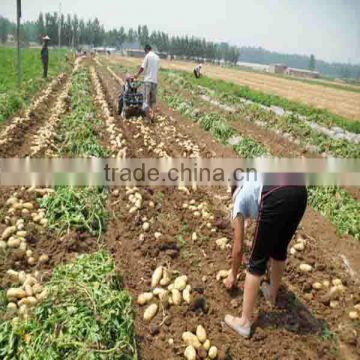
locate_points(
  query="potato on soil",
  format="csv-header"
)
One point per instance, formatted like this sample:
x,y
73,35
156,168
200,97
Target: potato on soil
x,y
11,307
201,333
305,268
180,282
186,295
190,353
222,274
43,258
353,315
8,232
166,279
156,277
176,296
144,298
207,345
150,312
191,340
15,293
213,351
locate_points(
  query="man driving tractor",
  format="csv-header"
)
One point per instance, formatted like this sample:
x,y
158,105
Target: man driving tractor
x,y
150,68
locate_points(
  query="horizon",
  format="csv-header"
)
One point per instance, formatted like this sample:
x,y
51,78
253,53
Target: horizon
x,y
338,23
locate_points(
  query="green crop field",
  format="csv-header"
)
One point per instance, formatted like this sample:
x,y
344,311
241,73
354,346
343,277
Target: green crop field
x,y
11,98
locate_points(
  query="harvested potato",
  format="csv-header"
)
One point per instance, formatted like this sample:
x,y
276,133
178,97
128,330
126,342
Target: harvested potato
x,y
146,226
326,283
21,233
31,260
180,282
28,205
222,242
11,307
334,304
207,345
14,275
166,279
305,267
22,277
8,232
43,258
15,293
299,246
156,277
37,288
201,333
144,298
353,315
3,245
357,307
150,312
336,282
186,295
191,340
13,242
316,286
28,290
176,296
222,274
190,353
213,351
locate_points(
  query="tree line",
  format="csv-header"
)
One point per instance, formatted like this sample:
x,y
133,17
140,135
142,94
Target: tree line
x,y
76,32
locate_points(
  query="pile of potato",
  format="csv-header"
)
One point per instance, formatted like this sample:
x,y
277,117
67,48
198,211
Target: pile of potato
x,y
117,141
299,245
5,135
198,346
27,293
149,142
14,235
135,199
167,291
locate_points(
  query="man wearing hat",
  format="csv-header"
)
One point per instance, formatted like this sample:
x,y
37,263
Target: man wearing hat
x,y
150,67
45,55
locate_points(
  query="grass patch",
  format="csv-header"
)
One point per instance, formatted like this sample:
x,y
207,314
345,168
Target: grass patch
x,y
12,98
87,315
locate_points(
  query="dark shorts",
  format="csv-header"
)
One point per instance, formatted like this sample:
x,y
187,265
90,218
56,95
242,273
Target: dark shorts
x,y
280,212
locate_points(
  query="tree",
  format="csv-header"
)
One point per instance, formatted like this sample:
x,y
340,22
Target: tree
x,y
312,62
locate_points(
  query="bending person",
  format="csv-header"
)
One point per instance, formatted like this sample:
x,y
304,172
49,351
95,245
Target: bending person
x,y
279,210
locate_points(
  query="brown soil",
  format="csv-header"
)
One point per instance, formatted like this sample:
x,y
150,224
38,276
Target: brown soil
x,y
295,330
22,136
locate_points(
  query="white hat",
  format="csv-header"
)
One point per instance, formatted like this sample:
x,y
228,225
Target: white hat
x,y
46,38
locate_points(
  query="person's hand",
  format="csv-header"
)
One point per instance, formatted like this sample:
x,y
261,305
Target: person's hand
x,y
135,76
230,281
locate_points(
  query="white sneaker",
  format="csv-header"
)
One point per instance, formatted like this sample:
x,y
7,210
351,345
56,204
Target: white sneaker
x,y
244,331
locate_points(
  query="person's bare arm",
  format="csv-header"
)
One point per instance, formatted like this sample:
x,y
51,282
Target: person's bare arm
x,y
237,251
141,70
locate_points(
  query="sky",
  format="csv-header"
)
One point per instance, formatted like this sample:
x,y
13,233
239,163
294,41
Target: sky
x,y
330,29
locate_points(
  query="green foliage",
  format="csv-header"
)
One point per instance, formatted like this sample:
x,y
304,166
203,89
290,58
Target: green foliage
x,y
78,130
234,92
249,148
339,206
87,315
11,98
80,208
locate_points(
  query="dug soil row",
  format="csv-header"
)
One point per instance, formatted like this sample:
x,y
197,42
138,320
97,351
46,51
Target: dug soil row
x,y
175,248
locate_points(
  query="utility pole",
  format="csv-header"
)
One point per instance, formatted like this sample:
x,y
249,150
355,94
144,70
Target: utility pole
x,y
18,60
59,29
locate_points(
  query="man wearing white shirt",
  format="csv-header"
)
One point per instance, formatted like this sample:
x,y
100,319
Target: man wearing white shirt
x,y
150,68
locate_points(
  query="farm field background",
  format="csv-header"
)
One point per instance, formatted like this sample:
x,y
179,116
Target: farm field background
x,y
340,102
107,243
11,98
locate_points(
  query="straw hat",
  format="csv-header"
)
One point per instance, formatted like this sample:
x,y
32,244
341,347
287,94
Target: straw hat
x,y
46,38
